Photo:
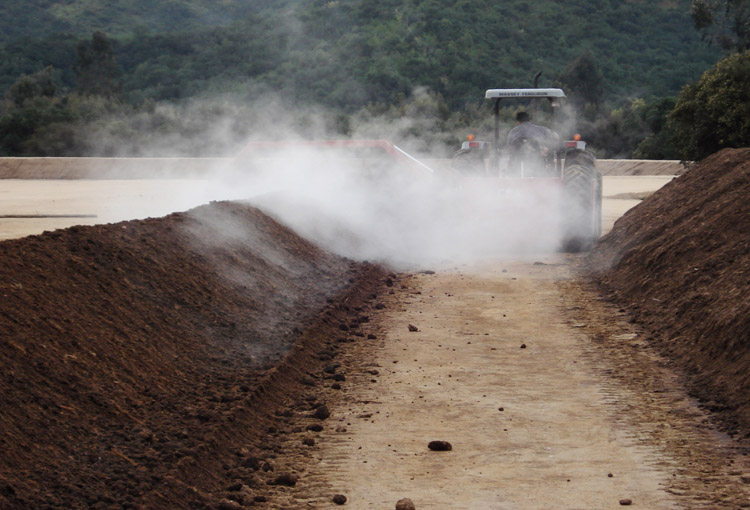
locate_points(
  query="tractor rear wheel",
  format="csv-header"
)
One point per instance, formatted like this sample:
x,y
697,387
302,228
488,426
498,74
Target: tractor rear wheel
x,y
579,157
582,214
469,162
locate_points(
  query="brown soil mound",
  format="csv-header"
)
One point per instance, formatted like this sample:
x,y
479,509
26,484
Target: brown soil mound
x,y
140,361
680,262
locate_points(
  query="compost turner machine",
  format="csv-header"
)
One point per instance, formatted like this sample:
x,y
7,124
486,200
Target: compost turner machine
x,y
566,174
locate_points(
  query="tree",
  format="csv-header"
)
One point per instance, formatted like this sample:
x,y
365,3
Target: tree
x,y
95,67
715,112
662,142
28,87
724,22
584,81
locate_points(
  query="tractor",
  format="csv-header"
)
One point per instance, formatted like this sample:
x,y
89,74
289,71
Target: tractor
x,y
567,171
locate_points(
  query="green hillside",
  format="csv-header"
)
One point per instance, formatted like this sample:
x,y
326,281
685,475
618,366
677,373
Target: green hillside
x,y
35,18
349,55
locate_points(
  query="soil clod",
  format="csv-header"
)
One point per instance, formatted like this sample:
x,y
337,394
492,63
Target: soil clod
x,y
405,504
331,369
321,412
439,446
285,479
228,504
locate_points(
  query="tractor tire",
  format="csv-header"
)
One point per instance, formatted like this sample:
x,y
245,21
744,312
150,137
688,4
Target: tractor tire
x,y
579,157
469,162
582,214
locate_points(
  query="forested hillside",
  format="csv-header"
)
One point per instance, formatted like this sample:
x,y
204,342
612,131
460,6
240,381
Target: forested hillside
x,y
34,18
347,55
324,50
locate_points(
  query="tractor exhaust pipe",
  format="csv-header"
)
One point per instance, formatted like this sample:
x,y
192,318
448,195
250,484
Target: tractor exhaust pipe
x,y
536,79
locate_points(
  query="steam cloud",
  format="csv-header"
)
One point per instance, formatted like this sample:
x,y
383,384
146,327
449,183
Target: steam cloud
x,y
407,220
364,205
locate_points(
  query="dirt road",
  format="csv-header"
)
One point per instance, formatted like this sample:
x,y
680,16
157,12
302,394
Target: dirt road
x,y
548,398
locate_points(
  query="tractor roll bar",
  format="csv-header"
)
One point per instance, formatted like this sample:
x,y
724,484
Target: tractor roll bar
x,y
523,93
500,94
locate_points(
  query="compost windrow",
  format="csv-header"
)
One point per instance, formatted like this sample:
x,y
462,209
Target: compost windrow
x,y
680,263
141,363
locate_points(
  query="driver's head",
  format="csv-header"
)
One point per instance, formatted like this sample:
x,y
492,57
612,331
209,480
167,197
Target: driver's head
x,y
522,117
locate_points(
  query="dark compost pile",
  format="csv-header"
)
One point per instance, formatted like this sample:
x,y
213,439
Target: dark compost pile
x,y
680,263
142,363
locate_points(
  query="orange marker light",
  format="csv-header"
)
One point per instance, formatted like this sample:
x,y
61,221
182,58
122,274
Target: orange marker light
x,y
470,138
577,138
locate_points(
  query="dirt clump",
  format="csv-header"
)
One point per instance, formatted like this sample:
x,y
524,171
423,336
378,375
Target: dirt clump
x,y
144,364
285,479
680,263
439,446
321,412
405,504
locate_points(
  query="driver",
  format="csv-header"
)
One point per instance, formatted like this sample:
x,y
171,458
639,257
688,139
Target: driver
x,y
525,129
531,145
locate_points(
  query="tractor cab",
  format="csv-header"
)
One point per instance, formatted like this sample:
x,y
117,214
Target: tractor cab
x,y
527,156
